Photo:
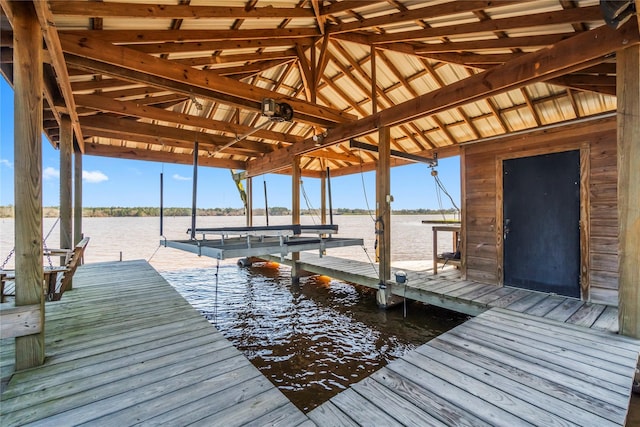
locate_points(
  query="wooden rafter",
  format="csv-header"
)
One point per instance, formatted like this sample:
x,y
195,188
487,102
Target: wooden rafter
x,y
200,61
139,10
190,36
159,156
565,56
135,109
566,16
131,128
129,59
210,46
435,11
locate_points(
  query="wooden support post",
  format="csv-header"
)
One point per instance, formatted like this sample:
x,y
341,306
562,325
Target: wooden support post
x,y
249,191
295,215
66,185
383,213
77,197
628,94
27,63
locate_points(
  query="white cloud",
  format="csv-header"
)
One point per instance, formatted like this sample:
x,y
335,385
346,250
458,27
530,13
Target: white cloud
x,y
7,163
50,173
180,177
94,176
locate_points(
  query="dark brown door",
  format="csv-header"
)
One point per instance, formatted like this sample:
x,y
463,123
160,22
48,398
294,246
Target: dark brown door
x,y
541,223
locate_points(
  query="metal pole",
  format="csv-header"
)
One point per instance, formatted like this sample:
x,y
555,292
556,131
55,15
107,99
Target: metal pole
x,y
195,190
266,203
161,203
330,201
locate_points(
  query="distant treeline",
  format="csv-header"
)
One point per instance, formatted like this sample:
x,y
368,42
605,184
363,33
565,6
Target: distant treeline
x,y
53,211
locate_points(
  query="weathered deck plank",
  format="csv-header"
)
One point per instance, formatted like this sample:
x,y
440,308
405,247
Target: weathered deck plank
x,y
124,347
448,290
502,368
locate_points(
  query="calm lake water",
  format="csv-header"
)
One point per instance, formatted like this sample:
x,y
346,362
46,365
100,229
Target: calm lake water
x,y
311,340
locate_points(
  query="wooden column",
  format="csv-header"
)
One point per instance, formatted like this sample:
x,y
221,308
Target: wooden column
x,y
628,94
27,63
77,194
66,184
295,215
249,191
383,213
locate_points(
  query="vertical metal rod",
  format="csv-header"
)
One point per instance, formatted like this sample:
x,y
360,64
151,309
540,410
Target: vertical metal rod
x,y
195,190
329,191
266,203
161,203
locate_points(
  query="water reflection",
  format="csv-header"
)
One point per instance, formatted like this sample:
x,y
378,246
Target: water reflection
x,y
314,339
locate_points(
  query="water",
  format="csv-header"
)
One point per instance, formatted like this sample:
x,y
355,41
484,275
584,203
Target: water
x,y
311,340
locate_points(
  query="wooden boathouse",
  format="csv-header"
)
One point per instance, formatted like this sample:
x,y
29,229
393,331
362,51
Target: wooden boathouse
x,y
539,99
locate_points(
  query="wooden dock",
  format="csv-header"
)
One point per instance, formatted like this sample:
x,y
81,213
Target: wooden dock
x,y
501,368
124,348
448,290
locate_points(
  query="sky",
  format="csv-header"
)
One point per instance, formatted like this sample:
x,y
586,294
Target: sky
x,y
130,183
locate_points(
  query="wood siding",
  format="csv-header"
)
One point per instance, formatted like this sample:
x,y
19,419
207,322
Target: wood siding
x,y
482,216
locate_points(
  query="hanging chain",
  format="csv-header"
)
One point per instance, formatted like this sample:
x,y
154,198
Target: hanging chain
x,y
47,253
8,258
44,245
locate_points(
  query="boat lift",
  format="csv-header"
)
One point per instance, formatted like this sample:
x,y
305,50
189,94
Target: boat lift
x,y
239,242
256,241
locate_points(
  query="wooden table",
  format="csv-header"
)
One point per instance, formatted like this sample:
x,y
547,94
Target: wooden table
x,y
456,237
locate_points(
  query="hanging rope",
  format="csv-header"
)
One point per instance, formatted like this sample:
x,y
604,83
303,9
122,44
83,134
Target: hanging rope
x,y
313,211
373,265
364,189
441,188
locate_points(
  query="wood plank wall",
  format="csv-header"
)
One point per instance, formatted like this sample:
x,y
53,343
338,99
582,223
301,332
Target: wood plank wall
x,y
482,213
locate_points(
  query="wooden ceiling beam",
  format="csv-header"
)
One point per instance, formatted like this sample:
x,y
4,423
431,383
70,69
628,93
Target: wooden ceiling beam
x,y
52,41
166,11
443,9
346,5
103,103
248,69
237,58
101,85
160,156
185,36
183,88
379,92
564,16
559,59
130,59
132,127
212,46
153,143
526,42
